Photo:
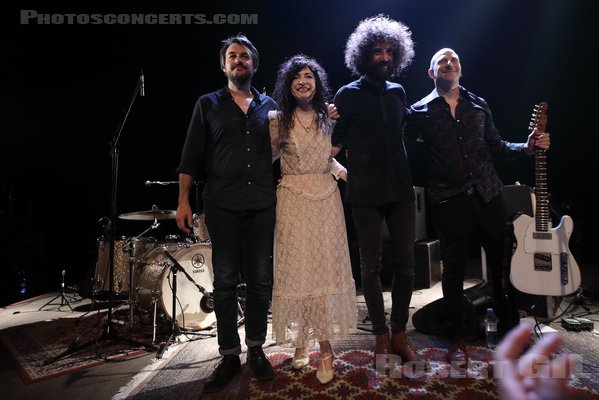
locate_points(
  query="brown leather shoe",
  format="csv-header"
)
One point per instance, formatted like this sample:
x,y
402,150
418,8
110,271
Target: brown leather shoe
x,y
403,348
382,349
457,354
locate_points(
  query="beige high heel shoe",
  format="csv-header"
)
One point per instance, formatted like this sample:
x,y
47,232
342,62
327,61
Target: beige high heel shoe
x,y
324,376
301,358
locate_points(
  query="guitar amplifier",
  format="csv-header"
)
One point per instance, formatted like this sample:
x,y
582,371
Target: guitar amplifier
x,y
427,268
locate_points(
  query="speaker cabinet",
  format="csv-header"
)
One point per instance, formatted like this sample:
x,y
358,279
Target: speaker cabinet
x,y
427,269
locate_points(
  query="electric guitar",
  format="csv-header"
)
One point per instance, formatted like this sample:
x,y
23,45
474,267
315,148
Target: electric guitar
x,y
542,263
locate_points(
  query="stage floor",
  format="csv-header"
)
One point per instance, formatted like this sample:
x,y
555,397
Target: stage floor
x,y
104,381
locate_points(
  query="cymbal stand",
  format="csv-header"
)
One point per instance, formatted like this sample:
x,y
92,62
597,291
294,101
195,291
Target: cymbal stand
x,y
175,329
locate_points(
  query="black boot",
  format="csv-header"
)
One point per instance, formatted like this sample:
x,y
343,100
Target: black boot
x,y
259,364
226,369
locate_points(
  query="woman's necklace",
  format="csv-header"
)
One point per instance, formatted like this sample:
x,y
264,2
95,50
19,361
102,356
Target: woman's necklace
x,y
306,128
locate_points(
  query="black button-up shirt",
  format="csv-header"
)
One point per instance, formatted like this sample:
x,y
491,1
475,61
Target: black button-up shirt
x,y
459,151
231,151
371,129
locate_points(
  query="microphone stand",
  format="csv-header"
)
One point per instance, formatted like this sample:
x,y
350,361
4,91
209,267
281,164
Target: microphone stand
x,y
109,331
114,158
63,298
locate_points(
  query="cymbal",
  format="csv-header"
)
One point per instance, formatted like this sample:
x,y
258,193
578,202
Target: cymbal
x,y
149,215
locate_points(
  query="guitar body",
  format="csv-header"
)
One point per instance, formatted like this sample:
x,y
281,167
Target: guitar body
x,y
542,263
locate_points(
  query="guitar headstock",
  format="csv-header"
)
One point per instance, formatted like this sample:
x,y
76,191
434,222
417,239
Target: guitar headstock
x,y
539,117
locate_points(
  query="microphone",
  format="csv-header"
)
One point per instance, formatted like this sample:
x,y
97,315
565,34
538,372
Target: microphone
x,y
142,86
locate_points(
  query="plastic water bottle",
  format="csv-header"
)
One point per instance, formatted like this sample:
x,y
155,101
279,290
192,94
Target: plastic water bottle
x,y
491,329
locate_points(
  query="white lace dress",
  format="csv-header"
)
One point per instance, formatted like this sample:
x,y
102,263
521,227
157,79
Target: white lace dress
x,y
314,295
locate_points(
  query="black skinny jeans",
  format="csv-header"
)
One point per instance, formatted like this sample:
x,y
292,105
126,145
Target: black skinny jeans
x,y
400,219
456,220
241,245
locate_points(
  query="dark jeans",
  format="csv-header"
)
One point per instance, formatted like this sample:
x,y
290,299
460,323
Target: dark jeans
x,y
241,245
401,222
456,220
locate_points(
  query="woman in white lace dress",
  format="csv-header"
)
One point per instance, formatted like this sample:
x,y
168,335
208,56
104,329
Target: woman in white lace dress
x,y
314,294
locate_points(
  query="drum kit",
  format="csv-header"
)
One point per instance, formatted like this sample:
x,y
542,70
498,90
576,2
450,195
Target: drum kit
x,y
145,273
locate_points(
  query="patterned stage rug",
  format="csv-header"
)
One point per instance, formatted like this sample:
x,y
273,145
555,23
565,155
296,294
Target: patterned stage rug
x,y
183,375
356,378
47,349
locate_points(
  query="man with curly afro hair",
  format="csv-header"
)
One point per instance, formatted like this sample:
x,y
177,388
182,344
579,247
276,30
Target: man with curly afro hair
x,y
379,185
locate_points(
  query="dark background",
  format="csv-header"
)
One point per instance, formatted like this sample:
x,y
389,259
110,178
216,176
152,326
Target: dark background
x,y
66,90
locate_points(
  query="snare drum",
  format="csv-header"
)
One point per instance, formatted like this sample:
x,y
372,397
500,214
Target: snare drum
x,y
155,282
125,250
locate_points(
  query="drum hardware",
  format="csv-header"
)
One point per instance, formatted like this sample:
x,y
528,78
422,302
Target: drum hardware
x,y
135,248
154,285
241,303
208,304
154,325
128,252
154,215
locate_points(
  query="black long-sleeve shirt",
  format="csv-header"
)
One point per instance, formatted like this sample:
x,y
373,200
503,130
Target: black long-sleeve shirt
x,y
231,151
371,129
459,151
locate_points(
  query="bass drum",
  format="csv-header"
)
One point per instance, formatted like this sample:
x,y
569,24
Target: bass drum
x,y
193,309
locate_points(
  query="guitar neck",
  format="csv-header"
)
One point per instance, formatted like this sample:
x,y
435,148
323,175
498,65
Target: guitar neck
x,y
539,121
542,199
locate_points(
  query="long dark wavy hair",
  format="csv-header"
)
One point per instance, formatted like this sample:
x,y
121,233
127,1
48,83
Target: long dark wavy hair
x,y
378,29
287,103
